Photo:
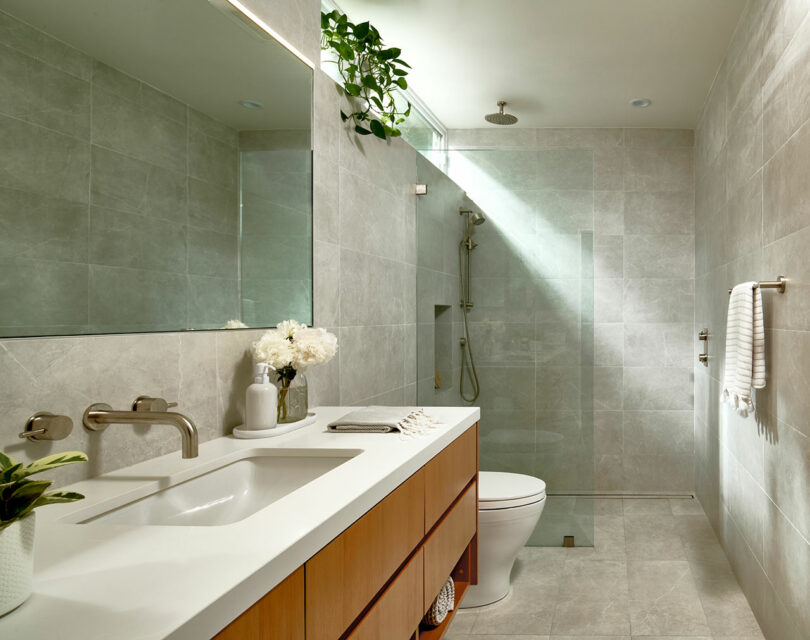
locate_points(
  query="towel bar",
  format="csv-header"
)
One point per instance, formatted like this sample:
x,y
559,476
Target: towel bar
x,y
780,284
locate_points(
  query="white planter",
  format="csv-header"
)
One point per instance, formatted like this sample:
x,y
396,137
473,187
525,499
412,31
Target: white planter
x,y
16,563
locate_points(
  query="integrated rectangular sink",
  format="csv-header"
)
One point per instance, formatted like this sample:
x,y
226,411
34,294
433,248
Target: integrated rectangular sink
x,y
228,493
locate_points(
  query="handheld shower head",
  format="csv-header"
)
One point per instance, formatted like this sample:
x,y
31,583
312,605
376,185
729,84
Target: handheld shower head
x,y
473,217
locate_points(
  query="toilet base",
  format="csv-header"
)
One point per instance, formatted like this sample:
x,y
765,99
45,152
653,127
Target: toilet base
x,y
473,597
501,535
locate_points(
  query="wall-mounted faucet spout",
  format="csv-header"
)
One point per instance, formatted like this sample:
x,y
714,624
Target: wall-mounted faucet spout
x,y
99,416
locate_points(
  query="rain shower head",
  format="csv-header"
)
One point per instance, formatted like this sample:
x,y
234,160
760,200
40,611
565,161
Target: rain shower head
x,y
500,117
473,217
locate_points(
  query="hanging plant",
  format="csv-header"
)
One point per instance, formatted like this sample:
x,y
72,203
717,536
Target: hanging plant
x,y
371,74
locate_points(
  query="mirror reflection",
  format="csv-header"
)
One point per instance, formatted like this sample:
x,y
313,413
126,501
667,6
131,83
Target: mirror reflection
x,y
155,169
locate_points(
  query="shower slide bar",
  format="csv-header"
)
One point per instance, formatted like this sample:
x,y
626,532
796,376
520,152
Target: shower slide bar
x,y
780,284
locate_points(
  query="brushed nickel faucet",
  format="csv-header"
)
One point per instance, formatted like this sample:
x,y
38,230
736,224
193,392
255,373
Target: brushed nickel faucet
x,y
145,410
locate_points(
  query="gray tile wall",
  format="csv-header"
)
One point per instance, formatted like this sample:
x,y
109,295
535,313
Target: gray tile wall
x,y
634,190
120,169
753,223
365,257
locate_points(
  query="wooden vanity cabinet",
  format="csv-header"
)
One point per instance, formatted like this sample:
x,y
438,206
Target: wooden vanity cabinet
x,y
346,575
278,615
378,578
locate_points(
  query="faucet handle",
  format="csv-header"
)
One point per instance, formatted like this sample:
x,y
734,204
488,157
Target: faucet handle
x,y
153,405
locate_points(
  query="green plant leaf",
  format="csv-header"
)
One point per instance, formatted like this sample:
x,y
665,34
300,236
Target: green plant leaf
x,y
10,473
378,129
352,89
345,50
21,498
361,30
390,54
51,462
58,497
6,461
370,71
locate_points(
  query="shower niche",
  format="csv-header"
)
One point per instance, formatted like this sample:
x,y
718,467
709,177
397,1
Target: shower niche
x,y
442,346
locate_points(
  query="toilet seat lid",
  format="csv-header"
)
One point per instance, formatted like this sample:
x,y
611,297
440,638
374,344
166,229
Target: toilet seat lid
x,y
499,490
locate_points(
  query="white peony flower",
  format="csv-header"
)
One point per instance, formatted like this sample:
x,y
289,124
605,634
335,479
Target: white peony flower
x,y
296,346
274,349
313,347
235,324
288,328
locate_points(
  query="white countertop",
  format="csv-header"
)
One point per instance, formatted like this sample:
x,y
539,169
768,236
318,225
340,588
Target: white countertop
x,y
109,582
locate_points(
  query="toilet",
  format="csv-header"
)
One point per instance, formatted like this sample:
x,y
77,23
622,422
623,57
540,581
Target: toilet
x,y
509,506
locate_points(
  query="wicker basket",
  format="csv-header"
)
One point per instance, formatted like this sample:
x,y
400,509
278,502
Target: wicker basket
x,y
442,605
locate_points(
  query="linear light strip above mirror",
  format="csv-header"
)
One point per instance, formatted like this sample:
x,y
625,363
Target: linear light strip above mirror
x,y
228,7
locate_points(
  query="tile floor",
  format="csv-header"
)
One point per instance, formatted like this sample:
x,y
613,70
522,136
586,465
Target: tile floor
x,y
656,571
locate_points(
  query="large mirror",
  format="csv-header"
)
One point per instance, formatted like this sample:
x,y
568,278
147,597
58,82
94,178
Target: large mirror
x,y
155,169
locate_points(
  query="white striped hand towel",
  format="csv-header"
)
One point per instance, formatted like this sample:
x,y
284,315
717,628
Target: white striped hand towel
x,y
745,347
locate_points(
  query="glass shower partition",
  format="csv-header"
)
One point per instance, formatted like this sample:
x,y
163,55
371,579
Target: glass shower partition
x,y
531,320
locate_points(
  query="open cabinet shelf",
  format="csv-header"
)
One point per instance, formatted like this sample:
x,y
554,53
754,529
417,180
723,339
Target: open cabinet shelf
x,y
434,633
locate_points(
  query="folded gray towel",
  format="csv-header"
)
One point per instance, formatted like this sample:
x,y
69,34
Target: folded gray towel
x,y
407,420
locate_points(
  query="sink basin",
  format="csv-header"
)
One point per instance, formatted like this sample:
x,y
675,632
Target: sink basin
x,y
229,493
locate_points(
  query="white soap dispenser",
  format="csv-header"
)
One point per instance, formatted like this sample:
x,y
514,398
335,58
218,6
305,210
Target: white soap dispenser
x,y
261,401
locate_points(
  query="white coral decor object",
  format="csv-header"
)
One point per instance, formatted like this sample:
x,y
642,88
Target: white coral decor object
x,y
16,563
295,345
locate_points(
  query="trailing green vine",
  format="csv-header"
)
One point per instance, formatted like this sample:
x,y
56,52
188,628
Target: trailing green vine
x,y
371,74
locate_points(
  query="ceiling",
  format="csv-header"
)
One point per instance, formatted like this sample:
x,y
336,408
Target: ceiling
x,y
190,49
558,63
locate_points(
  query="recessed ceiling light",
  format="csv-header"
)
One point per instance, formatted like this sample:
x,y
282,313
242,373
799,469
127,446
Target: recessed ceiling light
x,y
641,103
251,104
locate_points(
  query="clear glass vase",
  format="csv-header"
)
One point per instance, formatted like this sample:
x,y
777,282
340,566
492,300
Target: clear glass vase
x,y
293,400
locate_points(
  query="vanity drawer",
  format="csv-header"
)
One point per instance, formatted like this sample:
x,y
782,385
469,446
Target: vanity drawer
x,y
279,614
448,541
448,473
348,573
397,612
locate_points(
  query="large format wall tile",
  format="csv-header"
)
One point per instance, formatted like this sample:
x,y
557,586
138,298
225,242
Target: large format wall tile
x,y
124,126
36,226
42,161
785,195
753,145
126,184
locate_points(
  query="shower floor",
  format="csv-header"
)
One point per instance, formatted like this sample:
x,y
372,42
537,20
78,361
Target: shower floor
x,y
656,571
